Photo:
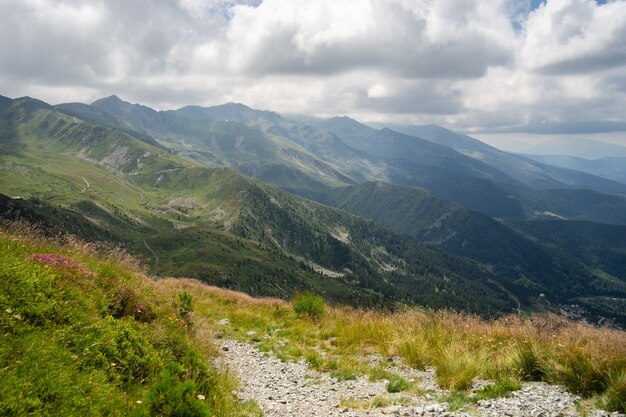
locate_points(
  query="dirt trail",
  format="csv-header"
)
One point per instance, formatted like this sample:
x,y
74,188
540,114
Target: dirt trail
x,y
288,389
154,255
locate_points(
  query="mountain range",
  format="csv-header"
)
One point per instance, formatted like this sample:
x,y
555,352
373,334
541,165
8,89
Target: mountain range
x,y
576,147
272,205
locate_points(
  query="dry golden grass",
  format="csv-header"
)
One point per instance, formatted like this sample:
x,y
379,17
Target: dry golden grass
x,y
459,346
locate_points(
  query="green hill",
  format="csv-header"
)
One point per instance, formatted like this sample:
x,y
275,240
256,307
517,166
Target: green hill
x,y
105,181
221,227
566,261
218,137
308,158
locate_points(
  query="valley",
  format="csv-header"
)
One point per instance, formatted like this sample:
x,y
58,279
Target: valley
x,y
256,202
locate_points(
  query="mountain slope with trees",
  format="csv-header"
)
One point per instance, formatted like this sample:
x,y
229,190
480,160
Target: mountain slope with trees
x,y
222,227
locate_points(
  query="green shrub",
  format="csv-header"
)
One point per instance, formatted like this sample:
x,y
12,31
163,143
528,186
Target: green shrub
x,y
398,384
127,302
502,388
455,370
378,374
279,311
395,382
173,395
118,348
344,374
184,306
188,389
314,360
309,305
456,400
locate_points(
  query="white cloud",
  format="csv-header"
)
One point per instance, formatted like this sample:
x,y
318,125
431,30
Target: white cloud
x,y
475,65
575,36
414,39
377,90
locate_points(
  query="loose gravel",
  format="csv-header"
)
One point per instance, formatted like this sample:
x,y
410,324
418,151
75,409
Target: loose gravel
x,y
292,389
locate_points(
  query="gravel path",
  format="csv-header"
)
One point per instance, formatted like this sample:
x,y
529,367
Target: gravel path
x,y
291,389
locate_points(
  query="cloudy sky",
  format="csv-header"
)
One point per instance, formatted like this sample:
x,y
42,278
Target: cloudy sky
x,y
479,66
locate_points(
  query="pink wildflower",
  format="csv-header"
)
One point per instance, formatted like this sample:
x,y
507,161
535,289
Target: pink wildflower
x,y
61,263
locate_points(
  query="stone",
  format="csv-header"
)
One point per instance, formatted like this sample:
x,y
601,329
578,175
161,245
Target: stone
x,y
292,389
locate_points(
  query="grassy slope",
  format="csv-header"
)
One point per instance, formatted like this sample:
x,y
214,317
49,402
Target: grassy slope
x,y
261,155
391,265
86,333
131,327
166,201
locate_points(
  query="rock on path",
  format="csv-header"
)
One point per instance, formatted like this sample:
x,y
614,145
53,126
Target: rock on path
x,y
290,389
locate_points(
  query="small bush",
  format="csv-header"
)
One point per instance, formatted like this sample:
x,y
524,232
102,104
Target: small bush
x,y
189,389
174,395
279,311
184,306
502,388
309,305
395,382
127,302
456,400
378,374
398,384
314,360
575,369
343,374
343,369
118,348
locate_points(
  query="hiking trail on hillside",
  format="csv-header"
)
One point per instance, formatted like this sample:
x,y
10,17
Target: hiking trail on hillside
x,y
289,389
